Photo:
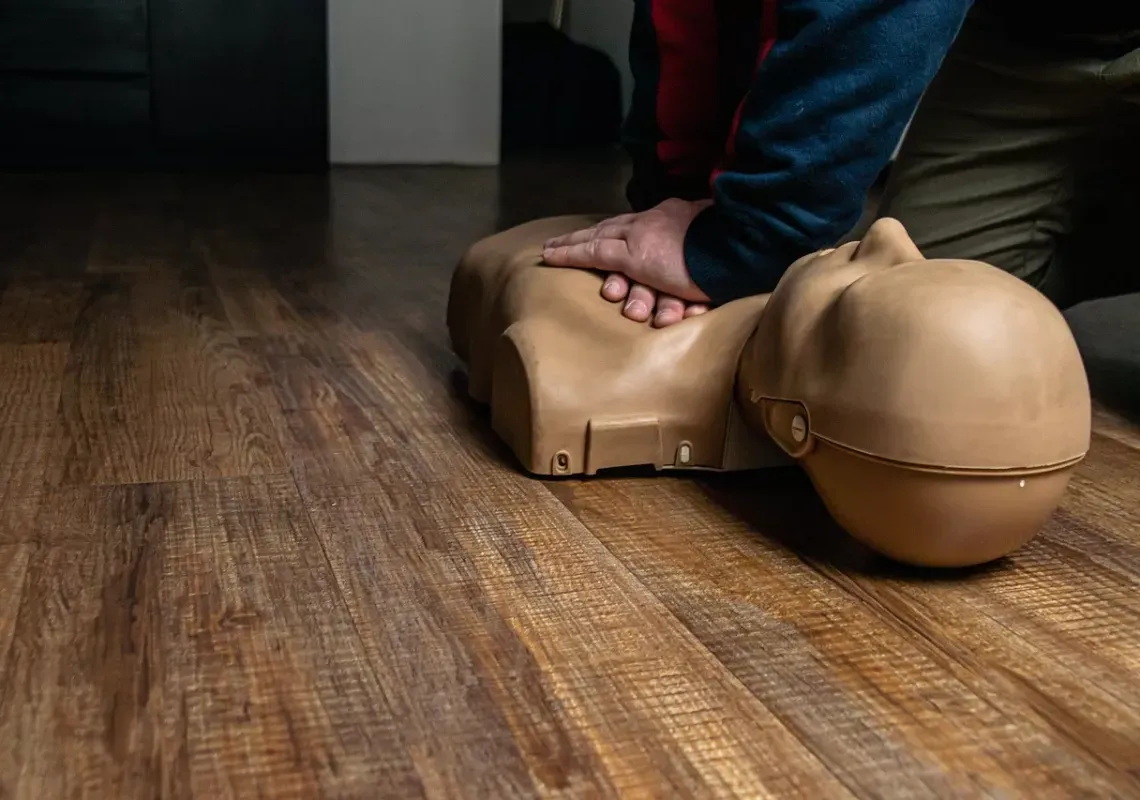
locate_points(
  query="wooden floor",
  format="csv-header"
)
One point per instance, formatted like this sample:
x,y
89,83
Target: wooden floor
x,y
255,543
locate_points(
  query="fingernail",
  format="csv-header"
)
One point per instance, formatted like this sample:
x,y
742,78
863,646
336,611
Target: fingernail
x,y
635,306
609,285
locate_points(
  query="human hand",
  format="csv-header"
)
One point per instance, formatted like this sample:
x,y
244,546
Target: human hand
x,y
644,254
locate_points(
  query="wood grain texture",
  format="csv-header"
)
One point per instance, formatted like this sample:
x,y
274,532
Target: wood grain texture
x,y
254,542
154,655
903,685
159,389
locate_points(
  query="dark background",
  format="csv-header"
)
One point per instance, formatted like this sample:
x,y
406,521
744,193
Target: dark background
x,y
163,84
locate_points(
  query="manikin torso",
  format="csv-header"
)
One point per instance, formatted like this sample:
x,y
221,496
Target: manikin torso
x,y
945,383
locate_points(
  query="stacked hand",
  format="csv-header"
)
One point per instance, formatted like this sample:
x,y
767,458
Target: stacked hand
x,y
644,254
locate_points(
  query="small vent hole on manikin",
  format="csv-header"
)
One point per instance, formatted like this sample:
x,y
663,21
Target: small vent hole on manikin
x,y
684,454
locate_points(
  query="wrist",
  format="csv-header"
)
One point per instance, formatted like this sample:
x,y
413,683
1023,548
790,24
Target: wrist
x,y
723,259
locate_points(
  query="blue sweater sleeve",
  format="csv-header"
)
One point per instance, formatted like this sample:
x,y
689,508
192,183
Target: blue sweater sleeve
x,y
826,109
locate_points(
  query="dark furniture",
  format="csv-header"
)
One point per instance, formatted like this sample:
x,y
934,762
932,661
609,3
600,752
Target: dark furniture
x,y
163,83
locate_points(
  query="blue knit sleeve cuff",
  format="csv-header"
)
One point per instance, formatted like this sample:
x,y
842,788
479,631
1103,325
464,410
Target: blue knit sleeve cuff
x,y
725,261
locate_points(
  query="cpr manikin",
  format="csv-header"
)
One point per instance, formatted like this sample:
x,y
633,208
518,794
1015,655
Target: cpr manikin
x,y
938,406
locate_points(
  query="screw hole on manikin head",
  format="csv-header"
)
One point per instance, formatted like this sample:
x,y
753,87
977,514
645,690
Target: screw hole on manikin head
x,y
799,428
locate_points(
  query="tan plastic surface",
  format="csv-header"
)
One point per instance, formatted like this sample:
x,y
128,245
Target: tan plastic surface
x,y
939,407
574,387
950,364
933,518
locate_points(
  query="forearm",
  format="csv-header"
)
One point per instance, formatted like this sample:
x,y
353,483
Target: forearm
x,y
829,101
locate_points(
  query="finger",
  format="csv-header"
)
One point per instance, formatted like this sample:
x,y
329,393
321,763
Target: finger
x,y
615,288
605,231
639,304
670,311
695,310
608,254
567,239
620,219
595,231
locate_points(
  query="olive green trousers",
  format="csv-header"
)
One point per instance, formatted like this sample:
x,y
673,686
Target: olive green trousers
x,y
1025,154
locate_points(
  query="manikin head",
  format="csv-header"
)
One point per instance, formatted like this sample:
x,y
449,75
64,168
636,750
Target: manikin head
x,y
939,406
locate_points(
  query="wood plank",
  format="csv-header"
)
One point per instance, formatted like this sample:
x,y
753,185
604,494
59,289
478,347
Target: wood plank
x,y
1105,492
48,227
365,267
38,311
459,573
142,227
32,381
33,460
254,287
903,685
158,388
188,640
32,451
190,637
597,685
592,688
1107,422
13,581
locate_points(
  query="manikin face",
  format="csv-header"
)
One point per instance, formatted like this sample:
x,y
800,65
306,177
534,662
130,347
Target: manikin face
x,y
886,244
898,356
